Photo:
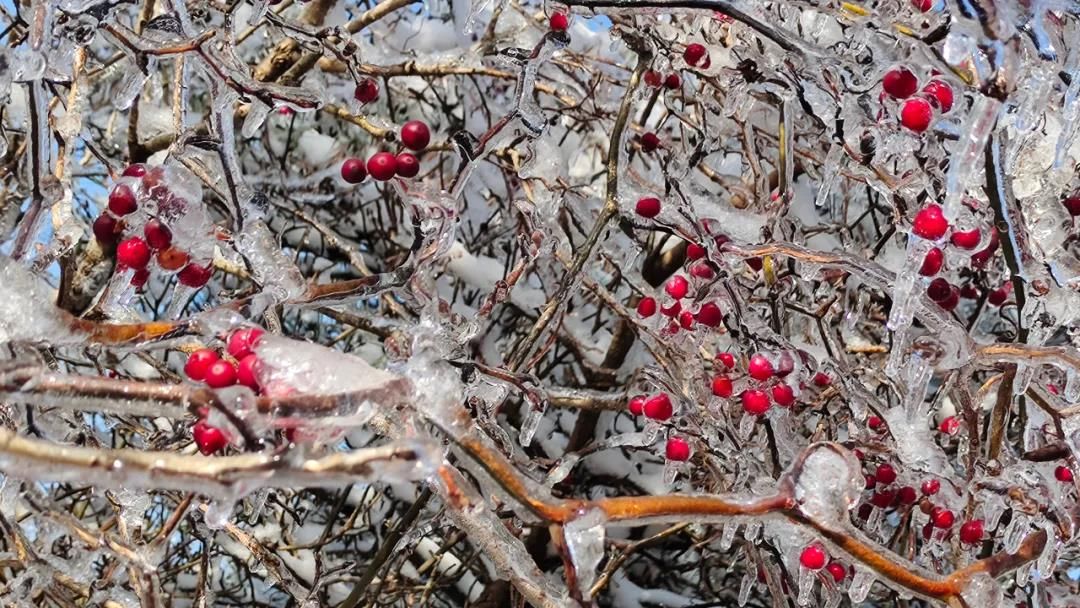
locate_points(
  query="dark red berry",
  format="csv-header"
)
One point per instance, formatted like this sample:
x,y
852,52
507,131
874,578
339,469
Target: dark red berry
x,y
247,372
677,287
653,79
648,207
727,359
1063,474
837,570
930,487
942,517
672,81
938,289
636,405
407,165
907,495
134,171
875,423
760,368
932,263
106,229
922,5
709,315
382,166
415,135
157,234
900,83
885,473
122,200
998,296
650,142
783,395
950,425
967,239
695,251
194,275
353,171
140,277
367,90
1072,204
696,54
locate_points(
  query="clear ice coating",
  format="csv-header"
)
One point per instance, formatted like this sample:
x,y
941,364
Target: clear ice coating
x,y
585,541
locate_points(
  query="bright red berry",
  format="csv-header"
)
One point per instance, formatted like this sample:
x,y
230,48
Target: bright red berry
x,y
971,532
646,307
760,368
367,90
709,315
558,22
813,557
900,83
671,311
755,402
134,171
695,251
930,223
133,253
677,287
648,207
922,5
783,394
686,319
654,79
198,362
885,473
407,165
247,372
932,263
938,289
696,54
194,275
658,407
950,425
220,374
722,387
727,359
353,171
942,517
209,439
636,405
930,487
837,570
940,93
677,449
968,239
382,166
242,341
702,270
916,114
1063,474
672,81
875,423
1072,204
122,200
415,135
157,234
106,229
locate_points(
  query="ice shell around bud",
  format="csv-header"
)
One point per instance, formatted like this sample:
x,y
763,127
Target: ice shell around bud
x,y
829,483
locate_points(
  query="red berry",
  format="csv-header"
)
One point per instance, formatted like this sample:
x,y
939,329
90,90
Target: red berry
x,y
157,234
783,394
907,495
760,368
686,319
870,482
636,405
950,425
837,570
242,341
209,439
922,5
702,270
658,407
672,81
696,54
106,229
968,239
785,365
813,557
969,291
382,166
1072,204
677,287
140,277
198,362
653,79
133,253
367,90
930,487
194,275
415,135
709,315
952,300
722,386
930,223
932,263
407,165
122,200
755,264
353,171
900,83
727,359
971,532
916,114
1063,474
558,22
942,517
646,307
220,374
650,141
822,379
247,372
171,259
648,207
755,402
938,289
883,499
941,93
134,171
875,423
885,473
677,449
672,311
1000,295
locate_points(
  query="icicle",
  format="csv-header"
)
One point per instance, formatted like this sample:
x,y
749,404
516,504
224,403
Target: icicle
x,y
1072,385
964,160
585,541
728,536
806,585
860,585
751,532
904,295
529,425
829,174
257,113
745,587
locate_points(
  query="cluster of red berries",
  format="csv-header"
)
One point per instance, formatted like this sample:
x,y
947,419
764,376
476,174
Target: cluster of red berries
x,y
814,557
384,166
917,111
241,367
659,407
763,392
135,252
656,80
